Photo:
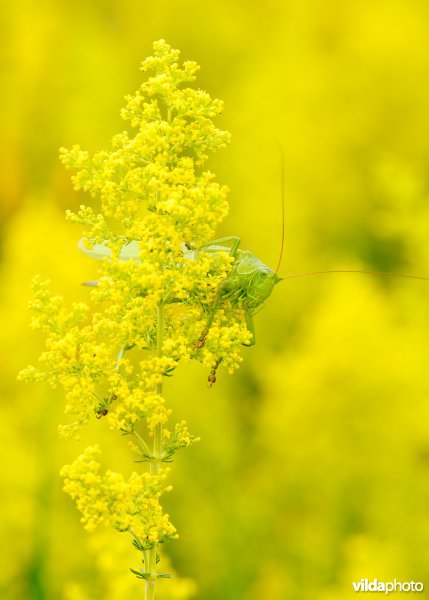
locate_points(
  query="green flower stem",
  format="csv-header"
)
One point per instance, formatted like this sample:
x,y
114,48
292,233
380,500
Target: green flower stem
x,y
157,446
142,443
150,564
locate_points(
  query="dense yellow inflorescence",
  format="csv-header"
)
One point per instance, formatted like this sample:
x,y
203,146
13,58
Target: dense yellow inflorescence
x,y
108,353
127,505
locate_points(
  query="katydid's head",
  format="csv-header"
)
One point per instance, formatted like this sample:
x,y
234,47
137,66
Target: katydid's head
x,y
263,281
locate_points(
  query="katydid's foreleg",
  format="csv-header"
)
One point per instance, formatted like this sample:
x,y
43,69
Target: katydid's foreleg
x,y
248,315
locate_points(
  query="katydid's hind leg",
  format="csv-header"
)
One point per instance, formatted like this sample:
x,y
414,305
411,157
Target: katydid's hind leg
x,y
199,343
250,326
202,338
212,377
235,242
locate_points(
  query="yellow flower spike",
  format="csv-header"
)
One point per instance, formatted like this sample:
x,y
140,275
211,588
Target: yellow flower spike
x,y
112,353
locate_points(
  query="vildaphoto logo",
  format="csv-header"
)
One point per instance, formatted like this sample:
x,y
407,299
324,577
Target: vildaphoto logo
x,y
387,587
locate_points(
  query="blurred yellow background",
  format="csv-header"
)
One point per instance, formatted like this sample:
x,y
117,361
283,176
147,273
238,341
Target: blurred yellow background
x,y
313,468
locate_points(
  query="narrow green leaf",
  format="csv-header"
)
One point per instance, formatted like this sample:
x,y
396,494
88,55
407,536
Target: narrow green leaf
x,y
140,575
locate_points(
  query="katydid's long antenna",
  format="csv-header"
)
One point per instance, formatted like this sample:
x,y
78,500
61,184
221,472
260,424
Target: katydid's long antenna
x,y
355,271
282,178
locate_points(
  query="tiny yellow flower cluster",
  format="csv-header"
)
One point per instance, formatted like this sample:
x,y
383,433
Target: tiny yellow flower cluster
x,y
127,505
180,438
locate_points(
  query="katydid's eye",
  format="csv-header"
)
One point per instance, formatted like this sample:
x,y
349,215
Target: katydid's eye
x,y
263,274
